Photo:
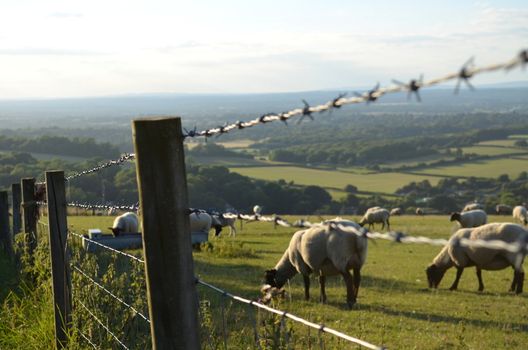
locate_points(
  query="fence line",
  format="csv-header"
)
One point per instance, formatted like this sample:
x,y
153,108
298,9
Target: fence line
x,y
93,281
124,158
87,339
320,327
103,325
87,206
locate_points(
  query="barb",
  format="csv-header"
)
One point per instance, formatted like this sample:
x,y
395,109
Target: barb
x,y
102,325
107,247
110,293
87,206
124,158
464,74
291,316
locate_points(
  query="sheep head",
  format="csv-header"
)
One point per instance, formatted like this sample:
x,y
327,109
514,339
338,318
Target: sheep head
x,y
270,292
270,278
434,275
454,216
218,229
115,230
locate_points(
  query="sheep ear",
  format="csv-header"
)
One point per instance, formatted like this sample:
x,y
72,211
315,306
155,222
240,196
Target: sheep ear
x,y
271,271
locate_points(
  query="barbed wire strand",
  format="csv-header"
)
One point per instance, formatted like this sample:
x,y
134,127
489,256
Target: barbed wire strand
x,y
102,325
291,316
107,247
87,339
93,281
124,158
468,71
87,206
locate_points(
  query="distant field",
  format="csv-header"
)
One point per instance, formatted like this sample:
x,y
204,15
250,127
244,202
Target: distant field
x,y
382,182
48,156
491,151
485,168
520,136
504,143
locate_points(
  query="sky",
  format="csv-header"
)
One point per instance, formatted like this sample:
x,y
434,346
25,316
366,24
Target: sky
x,y
71,48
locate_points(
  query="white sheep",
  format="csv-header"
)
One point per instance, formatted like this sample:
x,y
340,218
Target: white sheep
x,y
257,209
419,211
395,212
376,215
454,254
472,206
472,218
503,209
202,222
223,221
126,223
519,213
326,250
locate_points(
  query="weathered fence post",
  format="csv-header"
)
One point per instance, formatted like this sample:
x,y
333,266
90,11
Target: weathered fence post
x,y
60,268
16,196
162,182
29,211
5,233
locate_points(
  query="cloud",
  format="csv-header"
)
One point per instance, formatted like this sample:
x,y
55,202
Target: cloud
x,y
48,52
66,15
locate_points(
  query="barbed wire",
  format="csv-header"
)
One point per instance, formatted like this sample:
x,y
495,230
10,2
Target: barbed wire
x,y
134,258
87,339
467,72
124,158
88,206
320,327
76,268
103,325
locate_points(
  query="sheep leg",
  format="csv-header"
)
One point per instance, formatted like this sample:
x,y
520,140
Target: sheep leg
x,y
322,280
454,286
388,225
351,293
306,279
357,281
520,282
479,276
514,281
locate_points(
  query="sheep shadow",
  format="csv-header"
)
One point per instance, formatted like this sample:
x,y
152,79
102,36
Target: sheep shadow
x,y
435,318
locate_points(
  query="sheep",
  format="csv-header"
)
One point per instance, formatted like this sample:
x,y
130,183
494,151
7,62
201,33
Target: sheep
x,y
111,212
395,212
503,209
324,249
257,209
223,221
420,212
519,213
454,254
472,206
126,223
376,215
472,218
202,222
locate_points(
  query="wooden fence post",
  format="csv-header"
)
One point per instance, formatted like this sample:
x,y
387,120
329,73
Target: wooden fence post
x,y
29,211
162,183
6,239
16,197
60,265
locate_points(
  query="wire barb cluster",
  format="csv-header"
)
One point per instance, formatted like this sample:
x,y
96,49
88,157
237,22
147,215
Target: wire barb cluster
x,y
124,158
468,71
88,206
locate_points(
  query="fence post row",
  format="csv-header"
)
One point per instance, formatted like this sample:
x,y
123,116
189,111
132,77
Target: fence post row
x,y
162,184
16,197
5,233
29,211
60,272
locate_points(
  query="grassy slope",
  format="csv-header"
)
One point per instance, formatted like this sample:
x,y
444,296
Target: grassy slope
x,y
395,308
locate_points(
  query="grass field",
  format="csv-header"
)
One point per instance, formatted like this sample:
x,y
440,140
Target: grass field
x,y
394,309
491,151
481,168
382,182
503,143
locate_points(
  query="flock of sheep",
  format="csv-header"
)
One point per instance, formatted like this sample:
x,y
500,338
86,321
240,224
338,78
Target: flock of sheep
x,y
337,246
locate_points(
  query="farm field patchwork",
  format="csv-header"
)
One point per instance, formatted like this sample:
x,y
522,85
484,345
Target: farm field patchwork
x,y
481,168
382,182
492,151
394,309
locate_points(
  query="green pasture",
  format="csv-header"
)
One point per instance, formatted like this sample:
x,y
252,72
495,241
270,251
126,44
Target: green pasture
x,y
502,143
381,182
481,168
491,151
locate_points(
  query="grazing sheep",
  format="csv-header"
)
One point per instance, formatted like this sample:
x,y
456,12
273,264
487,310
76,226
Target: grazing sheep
x,y
202,222
376,215
325,250
395,212
111,212
472,218
126,223
472,206
519,213
503,209
257,209
420,212
222,221
454,254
